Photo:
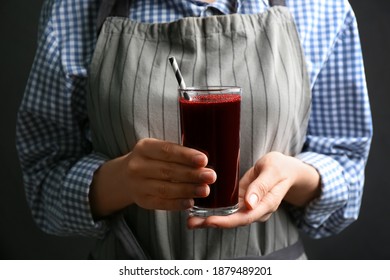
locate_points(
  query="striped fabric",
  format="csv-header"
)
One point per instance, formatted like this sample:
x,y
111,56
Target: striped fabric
x,y
53,139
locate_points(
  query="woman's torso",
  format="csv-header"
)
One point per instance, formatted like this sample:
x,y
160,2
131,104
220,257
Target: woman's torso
x,y
133,95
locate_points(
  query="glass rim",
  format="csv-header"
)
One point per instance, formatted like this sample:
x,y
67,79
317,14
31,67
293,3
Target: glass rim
x,y
233,89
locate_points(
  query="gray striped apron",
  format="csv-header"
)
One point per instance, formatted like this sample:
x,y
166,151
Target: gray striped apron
x,y
132,94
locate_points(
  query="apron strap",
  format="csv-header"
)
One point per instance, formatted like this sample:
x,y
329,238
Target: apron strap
x,y
277,2
119,8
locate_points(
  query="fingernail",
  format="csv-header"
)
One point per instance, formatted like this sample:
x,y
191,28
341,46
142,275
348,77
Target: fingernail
x,y
253,199
208,177
187,203
202,191
199,160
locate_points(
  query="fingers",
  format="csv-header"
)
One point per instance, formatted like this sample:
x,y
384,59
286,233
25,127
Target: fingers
x,y
244,216
167,176
171,190
262,189
165,197
170,152
157,203
169,195
172,172
261,213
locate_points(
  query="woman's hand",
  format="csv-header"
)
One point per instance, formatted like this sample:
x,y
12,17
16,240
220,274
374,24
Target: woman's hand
x,y
155,175
274,177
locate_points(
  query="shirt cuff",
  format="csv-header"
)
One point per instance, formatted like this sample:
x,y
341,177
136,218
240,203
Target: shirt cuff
x,y
78,215
333,197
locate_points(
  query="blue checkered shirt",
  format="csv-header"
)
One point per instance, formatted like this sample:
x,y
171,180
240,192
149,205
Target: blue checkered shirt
x,y
53,139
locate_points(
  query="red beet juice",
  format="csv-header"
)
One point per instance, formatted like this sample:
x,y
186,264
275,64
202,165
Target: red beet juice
x,y
211,124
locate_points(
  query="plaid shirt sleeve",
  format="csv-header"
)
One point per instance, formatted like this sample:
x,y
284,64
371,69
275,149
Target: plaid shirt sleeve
x,y
52,128
340,126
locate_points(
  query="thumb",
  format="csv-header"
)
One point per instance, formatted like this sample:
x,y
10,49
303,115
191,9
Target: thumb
x,y
259,188
252,201
256,191
250,198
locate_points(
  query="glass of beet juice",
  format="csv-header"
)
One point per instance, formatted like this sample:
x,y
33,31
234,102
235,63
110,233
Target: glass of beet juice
x,y
210,122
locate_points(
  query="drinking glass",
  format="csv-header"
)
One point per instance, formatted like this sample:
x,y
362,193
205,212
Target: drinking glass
x,y
210,122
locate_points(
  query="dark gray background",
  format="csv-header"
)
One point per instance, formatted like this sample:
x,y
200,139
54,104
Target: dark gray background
x,y
368,238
